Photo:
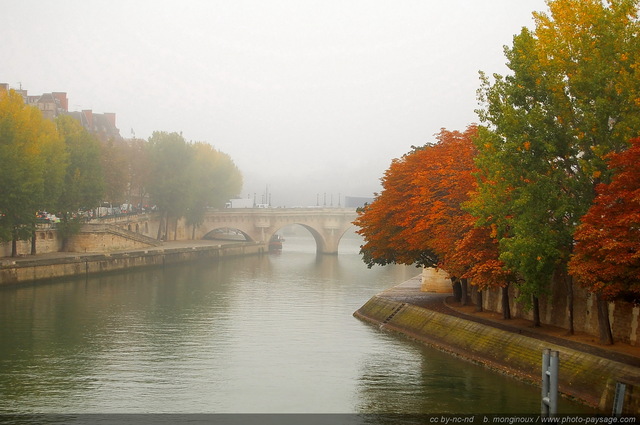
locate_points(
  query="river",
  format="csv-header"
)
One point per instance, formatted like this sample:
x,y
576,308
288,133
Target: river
x,y
268,334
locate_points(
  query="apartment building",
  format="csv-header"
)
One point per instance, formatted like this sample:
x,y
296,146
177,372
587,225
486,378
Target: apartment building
x,y
53,104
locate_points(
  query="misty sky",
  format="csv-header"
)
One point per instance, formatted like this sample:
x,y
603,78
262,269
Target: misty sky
x,y
308,97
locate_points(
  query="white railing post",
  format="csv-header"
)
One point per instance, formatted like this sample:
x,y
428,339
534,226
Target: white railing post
x,y
550,367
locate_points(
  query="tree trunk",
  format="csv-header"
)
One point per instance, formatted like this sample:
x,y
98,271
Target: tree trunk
x,y
193,232
141,203
159,234
33,242
63,226
536,311
478,300
604,325
14,246
464,287
175,230
569,281
506,310
457,290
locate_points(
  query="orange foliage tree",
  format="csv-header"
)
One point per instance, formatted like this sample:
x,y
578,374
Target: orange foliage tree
x,y
419,218
478,250
383,223
606,258
443,183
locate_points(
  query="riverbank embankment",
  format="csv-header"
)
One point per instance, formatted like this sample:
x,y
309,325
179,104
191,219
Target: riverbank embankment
x,y
587,374
62,265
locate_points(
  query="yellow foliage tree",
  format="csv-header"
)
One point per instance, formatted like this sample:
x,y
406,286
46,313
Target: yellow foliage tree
x,y
32,163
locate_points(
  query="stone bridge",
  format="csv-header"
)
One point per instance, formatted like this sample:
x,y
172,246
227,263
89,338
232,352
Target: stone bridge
x,y
327,225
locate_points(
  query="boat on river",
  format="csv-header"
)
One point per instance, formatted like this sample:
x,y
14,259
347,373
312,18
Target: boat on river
x,y
275,243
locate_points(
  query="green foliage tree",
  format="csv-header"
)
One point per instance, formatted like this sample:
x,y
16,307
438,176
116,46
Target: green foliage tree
x,y
115,168
171,161
214,180
83,181
572,97
139,170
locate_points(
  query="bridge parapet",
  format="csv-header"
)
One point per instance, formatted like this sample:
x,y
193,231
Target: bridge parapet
x,y
262,222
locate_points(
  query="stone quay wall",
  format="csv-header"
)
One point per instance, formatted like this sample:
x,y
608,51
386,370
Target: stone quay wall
x,y
16,272
583,376
103,237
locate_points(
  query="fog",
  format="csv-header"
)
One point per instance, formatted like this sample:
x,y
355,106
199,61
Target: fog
x,y
308,97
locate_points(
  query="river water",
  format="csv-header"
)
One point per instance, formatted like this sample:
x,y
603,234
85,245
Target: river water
x,y
268,334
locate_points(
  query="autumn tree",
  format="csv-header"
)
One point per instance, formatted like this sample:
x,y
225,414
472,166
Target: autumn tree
x,y
385,221
466,250
607,252
572,97
444,181
420,216
478,251
31,166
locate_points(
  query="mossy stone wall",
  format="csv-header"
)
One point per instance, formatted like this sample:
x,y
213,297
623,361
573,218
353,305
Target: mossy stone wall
x,y
585,377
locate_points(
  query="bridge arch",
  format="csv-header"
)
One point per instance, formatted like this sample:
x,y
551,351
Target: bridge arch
x,y
227,233
320,243
323,244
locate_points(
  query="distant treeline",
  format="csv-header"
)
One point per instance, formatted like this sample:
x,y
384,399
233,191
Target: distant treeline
x,y
59,167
